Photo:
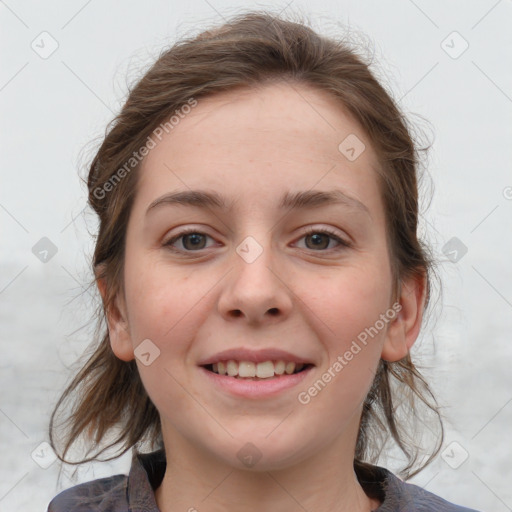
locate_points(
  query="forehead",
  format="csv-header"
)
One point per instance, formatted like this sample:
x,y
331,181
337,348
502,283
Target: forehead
x,y
267,138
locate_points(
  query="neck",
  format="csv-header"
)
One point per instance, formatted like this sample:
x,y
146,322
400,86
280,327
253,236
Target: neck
x,y
271,491
325,481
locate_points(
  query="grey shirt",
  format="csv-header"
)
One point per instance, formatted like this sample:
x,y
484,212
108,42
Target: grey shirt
x,y
135,492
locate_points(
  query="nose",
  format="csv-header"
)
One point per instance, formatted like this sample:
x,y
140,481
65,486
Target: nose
x,y
255,290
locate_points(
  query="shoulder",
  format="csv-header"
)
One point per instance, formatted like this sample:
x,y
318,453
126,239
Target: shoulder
x,y
395,495
117,493
425,501
102,495
413,498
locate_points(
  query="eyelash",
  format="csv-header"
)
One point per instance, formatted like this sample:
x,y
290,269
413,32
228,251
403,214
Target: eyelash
x,y
343,244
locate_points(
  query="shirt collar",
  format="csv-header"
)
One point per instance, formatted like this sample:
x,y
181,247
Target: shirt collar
x,y
146,475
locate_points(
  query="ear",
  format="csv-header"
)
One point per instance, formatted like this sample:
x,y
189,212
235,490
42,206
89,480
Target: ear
x,y
119,334
404,328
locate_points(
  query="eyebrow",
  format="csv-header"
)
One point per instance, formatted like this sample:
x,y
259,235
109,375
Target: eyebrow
x,y
307,199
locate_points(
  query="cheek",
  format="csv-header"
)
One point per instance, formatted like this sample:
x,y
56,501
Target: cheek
x,y
347,317
159,302
163,309
349,302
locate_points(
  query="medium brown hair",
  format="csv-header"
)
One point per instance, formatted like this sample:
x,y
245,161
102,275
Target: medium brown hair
x,y
250,50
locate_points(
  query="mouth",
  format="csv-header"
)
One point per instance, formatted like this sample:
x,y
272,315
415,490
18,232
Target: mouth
x,y
248,370
255,381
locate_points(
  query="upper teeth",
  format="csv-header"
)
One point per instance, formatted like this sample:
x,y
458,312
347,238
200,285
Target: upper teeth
x,y
249,369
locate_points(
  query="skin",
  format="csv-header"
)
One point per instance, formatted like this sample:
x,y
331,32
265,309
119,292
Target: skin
x,y
252,146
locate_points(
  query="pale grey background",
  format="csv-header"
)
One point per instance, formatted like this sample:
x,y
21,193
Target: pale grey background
x,y
51,108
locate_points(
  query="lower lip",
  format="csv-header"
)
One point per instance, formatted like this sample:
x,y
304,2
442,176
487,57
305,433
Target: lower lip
x,y
256,388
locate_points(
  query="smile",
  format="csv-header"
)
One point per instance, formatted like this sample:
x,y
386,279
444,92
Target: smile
x,y
251,370
247,384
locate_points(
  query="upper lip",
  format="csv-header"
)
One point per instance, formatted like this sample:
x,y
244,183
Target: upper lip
x,y
256,356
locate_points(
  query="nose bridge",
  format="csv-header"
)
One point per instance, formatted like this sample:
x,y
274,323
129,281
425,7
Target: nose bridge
x,y
255,288
254,262
256,238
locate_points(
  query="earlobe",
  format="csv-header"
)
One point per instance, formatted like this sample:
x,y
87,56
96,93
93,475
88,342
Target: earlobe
x,y
119,334
405,327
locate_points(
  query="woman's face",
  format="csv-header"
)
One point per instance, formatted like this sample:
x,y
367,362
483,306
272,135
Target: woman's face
x,y
252,277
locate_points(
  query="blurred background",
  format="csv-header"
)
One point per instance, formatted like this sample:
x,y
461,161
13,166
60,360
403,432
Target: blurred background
x,y
66,67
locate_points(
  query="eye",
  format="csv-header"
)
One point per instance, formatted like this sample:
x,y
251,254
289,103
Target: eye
x,y
192,239
319,237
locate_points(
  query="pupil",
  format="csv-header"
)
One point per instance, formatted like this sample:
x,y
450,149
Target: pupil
x,y
317,239
195,237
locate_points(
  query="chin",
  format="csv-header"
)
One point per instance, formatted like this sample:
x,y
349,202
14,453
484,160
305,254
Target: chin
x,y
262,454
